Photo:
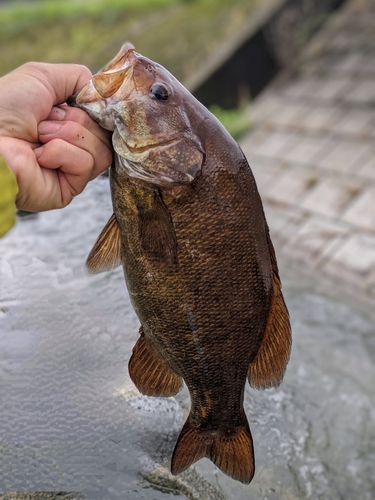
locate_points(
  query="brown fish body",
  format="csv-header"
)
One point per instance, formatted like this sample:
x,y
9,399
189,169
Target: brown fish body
x,y
189,229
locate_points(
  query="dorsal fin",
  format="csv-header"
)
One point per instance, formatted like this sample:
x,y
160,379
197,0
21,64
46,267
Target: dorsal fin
x,y
106,253
268,368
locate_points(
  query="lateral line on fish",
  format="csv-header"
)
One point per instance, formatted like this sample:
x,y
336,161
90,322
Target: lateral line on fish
x,y
199,348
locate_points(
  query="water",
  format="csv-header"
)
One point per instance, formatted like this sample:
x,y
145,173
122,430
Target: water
x,y
71,420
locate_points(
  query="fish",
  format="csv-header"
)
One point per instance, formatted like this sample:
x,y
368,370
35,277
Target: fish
x,y
189,229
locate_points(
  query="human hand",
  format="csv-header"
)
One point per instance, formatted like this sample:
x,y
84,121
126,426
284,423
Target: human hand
x,y
54,150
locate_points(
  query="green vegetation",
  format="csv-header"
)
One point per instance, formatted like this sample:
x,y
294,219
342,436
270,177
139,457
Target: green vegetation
x,y
89,32
179,34
26,13
236,121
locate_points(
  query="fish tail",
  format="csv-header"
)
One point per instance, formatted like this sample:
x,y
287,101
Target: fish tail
x,y
232,453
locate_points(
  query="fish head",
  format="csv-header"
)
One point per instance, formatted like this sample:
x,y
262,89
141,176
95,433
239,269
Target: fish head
x,y
146,108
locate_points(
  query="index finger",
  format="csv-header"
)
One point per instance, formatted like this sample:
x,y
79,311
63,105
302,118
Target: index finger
x,y
62,80
29,92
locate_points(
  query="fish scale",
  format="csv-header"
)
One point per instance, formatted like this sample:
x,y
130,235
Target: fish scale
x,y
189,230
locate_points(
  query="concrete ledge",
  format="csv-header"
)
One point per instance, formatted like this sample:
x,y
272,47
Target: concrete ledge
x,y
313,155
228,48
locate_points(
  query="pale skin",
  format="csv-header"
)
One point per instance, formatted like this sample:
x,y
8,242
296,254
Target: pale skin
x,y
54,150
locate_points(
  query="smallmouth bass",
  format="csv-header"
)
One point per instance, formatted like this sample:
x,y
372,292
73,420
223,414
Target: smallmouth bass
x,y
189,230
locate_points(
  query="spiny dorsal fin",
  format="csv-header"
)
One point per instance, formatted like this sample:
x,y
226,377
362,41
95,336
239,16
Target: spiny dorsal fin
x,y
150,373
106,253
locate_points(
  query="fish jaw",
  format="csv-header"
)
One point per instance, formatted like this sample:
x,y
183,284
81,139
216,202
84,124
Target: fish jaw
x,y
97,96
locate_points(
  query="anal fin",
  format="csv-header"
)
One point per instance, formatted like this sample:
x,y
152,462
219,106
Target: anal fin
x,y
268,368
150,373
106,253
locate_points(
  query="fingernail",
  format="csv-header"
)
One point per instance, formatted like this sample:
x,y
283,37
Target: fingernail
x,y
57,113
48,127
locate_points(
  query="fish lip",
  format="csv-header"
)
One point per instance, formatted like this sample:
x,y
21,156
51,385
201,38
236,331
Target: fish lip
x,y
122,132
121,63
71,100
154,145
123,56
85,95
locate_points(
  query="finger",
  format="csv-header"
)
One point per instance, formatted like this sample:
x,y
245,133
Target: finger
x,y
75,165
61,80
39,188
29,92
80,138
67,113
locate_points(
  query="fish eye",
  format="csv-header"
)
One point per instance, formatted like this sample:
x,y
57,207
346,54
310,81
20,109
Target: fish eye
x,y
160,92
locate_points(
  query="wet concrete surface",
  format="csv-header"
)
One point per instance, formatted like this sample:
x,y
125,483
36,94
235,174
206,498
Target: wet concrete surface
x,y
72,421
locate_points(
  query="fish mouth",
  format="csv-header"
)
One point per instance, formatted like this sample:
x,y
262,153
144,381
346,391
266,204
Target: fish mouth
x,y
142,144
150,146
107,82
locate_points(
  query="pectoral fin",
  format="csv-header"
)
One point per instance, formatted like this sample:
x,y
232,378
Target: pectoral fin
x,y
157,234
150,373
268,368
106,253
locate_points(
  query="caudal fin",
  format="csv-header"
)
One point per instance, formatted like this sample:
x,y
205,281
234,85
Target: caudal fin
x,y
232,453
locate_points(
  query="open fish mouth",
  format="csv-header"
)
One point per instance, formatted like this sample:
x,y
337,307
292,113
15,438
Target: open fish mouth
x,y
113,84
107,81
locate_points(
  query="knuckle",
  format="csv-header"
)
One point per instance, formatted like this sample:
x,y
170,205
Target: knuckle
x,y
29,65
85,71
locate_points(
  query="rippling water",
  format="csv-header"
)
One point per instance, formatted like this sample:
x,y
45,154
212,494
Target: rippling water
x,y
71,420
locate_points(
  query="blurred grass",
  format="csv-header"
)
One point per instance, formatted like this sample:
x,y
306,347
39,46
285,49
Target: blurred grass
x,y
179,34
236,121
17,14
86,32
